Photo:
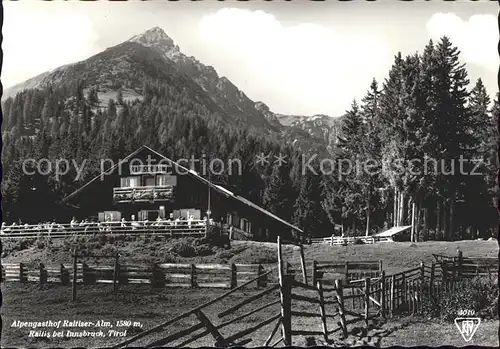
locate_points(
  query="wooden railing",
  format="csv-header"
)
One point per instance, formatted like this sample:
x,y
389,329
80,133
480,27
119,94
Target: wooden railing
x,y
195,228
212,327
337,240
164,275
328,271
139,194
157,168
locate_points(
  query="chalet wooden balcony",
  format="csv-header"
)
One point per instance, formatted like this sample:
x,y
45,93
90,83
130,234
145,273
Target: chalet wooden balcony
x,y
149,169
143,194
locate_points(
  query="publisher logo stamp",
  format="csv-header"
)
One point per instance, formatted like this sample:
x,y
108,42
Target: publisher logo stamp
x,y
467,326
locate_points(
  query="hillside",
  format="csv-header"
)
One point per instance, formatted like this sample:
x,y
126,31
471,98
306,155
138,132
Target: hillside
x,y
154,55
323,127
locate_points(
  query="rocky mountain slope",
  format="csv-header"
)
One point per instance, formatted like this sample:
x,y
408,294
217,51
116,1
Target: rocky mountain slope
x,y
323,127
154,55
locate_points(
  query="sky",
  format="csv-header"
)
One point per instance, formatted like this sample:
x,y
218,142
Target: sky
x,y
299,57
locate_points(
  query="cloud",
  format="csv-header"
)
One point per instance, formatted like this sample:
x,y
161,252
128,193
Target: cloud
x,y
40,36
301,68
477,38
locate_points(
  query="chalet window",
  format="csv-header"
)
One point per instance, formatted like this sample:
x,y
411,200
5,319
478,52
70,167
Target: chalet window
x,y
129,182
161,180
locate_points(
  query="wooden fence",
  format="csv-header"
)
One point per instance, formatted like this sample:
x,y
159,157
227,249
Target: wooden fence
x,y
213,323
329,271
337,240
195,228
158,275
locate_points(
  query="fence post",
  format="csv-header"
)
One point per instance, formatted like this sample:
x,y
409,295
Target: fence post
x,y
303,264
322,310
74,275
460,263
21,272
85,275
340,298
289,270
234,281
42,275
314,271
403,290
346,272
331,240
260,281
393,279
433,268
116,272
193,276
382,296
64,275
367,299
285,295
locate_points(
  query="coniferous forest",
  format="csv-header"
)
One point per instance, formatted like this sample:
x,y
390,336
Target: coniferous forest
x,y
426,108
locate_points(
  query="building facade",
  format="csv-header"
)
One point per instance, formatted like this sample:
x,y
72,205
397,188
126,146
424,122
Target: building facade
x,y
147,185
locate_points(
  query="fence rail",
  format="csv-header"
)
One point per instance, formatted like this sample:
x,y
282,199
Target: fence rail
x,y
338,240
194,228
158,275
336,307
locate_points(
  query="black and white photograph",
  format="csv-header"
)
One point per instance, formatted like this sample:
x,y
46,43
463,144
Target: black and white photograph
x,y
249,174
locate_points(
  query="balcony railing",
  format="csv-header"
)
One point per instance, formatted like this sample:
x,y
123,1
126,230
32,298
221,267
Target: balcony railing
x,y
139,169
194,228
140,194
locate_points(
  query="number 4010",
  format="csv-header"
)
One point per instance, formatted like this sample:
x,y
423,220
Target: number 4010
x,y
466,312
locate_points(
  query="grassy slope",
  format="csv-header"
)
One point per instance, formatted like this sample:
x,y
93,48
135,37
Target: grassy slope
x,y
27,303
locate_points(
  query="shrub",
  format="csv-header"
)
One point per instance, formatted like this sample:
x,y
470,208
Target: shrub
x,y
479,294
184,248
108,250
11,246
43,242
204,250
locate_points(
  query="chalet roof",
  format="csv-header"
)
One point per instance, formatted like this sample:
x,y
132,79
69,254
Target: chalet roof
x,y
227,193
392,231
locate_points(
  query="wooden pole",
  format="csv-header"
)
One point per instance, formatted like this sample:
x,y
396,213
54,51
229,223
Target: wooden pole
x,y
42,275
220,341
367,299
74,274
314,272
193,276
322,310
413,221
346,271
116,272
340,298
284,329
286,309
234,281
303,263
403,290
433,268
382,295
460,263
396,206
422,271
21,273
260,281
393,280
